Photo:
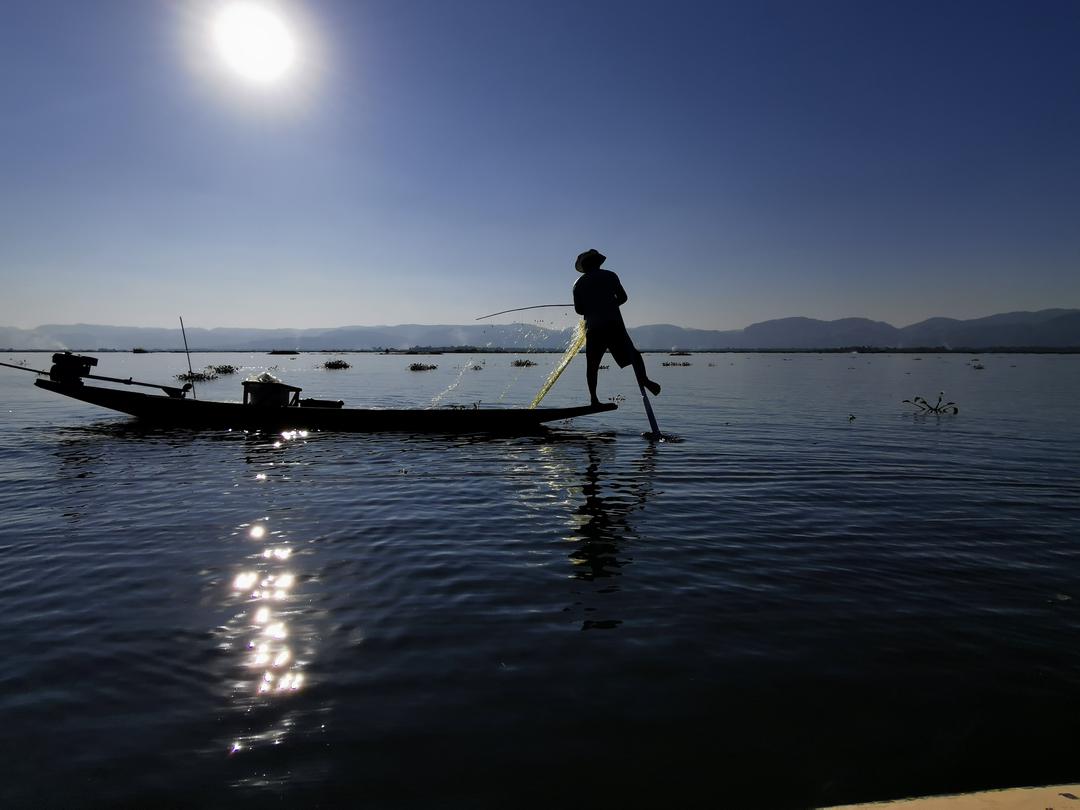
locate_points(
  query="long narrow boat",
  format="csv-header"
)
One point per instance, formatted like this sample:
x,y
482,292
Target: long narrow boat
x,y
277,406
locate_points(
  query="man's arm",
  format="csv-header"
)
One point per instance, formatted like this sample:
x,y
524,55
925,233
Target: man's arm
x,y
620,294
577,301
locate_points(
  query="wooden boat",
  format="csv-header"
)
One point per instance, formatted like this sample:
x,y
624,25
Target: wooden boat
x,y
274,406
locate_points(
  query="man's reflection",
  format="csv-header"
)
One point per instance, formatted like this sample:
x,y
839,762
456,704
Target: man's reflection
x,y
604,528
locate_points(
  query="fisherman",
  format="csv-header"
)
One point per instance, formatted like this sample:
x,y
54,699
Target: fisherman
x,y
598,294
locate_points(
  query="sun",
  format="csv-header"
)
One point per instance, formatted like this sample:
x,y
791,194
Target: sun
x,y
255,43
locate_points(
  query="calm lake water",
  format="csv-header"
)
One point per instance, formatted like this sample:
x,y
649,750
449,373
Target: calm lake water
x,y
790,607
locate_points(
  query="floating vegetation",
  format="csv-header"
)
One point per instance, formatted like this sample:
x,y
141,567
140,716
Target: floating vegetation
x,y
523,364
604,367
197,376
422,367
225,368
978,366
336,364
476,367
675,363
925,406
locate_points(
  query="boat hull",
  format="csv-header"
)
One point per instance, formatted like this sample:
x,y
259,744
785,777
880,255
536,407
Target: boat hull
x,y
175,412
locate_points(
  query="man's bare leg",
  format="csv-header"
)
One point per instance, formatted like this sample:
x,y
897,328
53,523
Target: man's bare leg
x,y
592,369
642,377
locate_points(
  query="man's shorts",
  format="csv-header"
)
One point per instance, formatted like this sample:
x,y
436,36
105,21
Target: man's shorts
x,y
611,337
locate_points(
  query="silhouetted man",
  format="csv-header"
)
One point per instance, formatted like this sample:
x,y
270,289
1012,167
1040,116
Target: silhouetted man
x,y
598,294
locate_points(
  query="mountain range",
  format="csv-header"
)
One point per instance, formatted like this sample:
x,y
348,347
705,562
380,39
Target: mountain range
x,y
1048,328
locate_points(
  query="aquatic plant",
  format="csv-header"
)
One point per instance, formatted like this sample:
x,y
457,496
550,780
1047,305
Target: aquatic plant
x,y
604,367
196,376
476,367
675,363
225,368
523,364
422,367
925,406
336,364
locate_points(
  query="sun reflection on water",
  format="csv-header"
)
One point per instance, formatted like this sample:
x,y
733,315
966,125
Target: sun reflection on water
x,y
265,590
269,612
270,631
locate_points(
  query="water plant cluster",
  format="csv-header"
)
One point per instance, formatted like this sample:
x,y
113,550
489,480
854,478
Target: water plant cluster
x,y
926,406
523,364
675,363
337,364
422,367
207,374
197,376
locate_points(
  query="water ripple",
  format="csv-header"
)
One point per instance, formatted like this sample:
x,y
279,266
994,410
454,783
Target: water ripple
x,y
461,617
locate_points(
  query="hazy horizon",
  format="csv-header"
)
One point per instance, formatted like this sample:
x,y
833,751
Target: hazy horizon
x,y
428,163
498,321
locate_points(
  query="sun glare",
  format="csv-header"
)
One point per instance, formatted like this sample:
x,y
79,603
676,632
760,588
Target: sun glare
x,y
254,42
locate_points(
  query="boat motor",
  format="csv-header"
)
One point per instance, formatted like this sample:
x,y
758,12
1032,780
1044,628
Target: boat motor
x,y
69,369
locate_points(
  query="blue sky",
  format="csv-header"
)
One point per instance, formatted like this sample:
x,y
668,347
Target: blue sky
x,y
427,162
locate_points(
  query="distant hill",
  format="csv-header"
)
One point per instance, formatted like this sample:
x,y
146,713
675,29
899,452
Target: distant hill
x,y
1048,328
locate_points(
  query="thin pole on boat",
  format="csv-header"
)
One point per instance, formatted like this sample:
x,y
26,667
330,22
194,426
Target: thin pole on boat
x,y
522,309
24,368
648,410
191,372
